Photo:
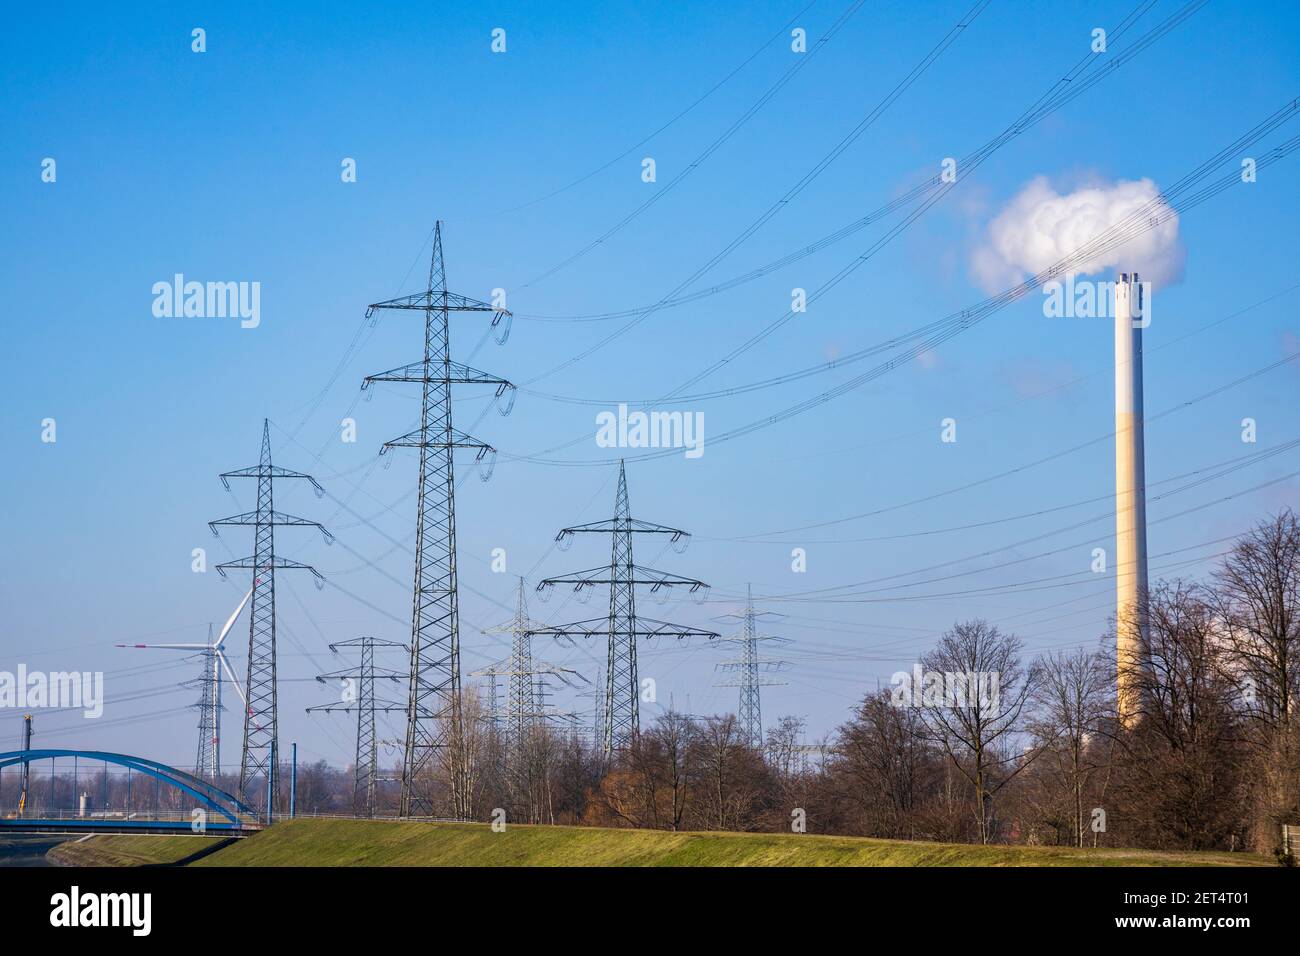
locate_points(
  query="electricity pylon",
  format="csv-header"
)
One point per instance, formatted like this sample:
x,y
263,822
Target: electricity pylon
x,y
752,668
524,705
261,722
358,693
434,718
622,627
525,682
207,759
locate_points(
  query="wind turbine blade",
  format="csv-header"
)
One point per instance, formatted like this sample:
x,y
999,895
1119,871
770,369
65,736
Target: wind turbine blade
x,y
177,647
231,621
233,679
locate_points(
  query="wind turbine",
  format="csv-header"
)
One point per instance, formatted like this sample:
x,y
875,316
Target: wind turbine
x,y
213,657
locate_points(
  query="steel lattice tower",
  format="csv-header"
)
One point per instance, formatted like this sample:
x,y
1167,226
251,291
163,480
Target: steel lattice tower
x,y
361,698
525,682
522,709
207,762
261,727
622,696
434,720
751,668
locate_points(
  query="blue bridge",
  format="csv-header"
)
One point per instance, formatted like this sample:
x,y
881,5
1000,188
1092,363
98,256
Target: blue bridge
x,y
195,805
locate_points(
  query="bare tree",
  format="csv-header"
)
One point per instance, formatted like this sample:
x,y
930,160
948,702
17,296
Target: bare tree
x,y
1072,701
677,734
730,773
1180,784
973,726
883,748
1259,586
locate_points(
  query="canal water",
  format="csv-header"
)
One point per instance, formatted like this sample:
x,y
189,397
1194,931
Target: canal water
x,y
29,849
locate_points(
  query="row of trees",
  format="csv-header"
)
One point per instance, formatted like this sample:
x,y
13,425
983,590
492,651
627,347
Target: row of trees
x,y
979,744
1027,751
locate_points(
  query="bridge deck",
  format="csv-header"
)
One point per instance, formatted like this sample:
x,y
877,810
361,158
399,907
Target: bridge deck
x,y
55,825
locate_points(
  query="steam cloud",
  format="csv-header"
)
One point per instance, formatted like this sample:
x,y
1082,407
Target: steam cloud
x,y
1039,227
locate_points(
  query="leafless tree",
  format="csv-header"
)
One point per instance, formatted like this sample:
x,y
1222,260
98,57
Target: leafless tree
x,y
1072,700
884,749
730,794
1180,781
973,729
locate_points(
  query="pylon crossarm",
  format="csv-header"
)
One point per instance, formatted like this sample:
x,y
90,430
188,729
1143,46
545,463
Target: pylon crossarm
x,y
752,682
609,525
416,439
343,708
435,299
368,641
662,579
286,564
376,673
419,372
639,576
645,627
766,665
278,518
269,471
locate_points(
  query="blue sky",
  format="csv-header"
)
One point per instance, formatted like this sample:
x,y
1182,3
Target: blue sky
x,y
225,166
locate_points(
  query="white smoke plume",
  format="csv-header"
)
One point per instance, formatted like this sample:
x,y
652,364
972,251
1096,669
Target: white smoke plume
x,y
1040,227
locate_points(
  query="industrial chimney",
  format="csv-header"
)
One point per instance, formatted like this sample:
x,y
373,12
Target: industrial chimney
x,y
1130,496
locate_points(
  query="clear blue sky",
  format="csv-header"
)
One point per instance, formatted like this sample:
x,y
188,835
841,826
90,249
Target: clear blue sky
x,y
226,166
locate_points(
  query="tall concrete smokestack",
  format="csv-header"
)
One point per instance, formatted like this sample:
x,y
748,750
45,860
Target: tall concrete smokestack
x,y
1130,496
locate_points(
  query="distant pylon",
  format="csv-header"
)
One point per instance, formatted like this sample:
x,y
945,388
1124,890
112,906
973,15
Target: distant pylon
x,y
522,709
207,761
525,683
261,724
622,698
751,668
359,694
434,720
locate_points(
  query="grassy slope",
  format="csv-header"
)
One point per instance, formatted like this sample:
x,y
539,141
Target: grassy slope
x,y
127,850
383,843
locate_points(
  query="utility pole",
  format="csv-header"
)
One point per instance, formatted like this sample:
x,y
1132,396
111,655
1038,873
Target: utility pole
x,y
622,627
27,767
261,726
751,668
359,695
434,719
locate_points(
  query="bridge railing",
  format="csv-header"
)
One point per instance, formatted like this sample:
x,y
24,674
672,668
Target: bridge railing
x,y
112,816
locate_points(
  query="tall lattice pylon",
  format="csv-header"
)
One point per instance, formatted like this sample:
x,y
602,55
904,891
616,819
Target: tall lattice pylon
x,y
434,719
622,627
257,771
751,669
358,694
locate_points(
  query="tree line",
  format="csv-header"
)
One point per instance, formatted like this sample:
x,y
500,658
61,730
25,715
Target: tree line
x,y
977,743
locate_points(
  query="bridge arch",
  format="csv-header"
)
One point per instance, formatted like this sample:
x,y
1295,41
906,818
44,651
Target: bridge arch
x,y
210,796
